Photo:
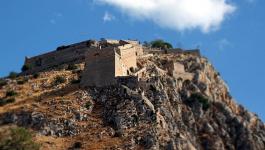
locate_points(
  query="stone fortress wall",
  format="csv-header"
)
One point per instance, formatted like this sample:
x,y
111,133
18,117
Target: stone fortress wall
x,y
99,68
75,53
105,61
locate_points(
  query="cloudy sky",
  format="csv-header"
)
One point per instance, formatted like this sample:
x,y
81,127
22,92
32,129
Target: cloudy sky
x,y
230,33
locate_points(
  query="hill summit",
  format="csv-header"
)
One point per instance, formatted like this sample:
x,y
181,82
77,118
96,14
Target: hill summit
x,y
119,94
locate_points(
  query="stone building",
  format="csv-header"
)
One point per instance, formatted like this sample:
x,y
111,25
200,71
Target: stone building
x,y
105,60
104,65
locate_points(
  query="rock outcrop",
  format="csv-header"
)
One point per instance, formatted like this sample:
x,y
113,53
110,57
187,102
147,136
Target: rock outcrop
x,y
171,101
167,112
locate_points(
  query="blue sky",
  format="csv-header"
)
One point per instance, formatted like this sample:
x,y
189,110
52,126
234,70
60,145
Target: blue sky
x,y
236,47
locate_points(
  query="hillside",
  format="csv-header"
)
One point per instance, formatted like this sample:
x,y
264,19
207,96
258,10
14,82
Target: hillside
x,y
184,106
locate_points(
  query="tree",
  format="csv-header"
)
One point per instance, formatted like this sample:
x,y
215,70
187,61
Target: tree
x,y
13,75
161,44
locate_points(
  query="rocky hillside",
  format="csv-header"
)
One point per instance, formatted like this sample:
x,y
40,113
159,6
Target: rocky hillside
x,y
158,111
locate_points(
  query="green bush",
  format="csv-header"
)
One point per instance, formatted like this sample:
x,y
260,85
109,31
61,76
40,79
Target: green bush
x,y
2,83
201,99
10,100
36,75
75,81
26,67
7,101
59,80
13,75
72,67
18,139
22,81
77,145
161,44
2,102
11,93
88,105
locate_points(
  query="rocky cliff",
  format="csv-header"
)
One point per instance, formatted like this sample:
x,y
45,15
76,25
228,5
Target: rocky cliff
x,y
162,109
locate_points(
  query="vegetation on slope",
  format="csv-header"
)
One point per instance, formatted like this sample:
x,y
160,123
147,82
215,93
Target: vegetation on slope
x,y
17,139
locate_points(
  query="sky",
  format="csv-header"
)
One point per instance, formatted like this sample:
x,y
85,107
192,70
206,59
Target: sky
x,y
230,33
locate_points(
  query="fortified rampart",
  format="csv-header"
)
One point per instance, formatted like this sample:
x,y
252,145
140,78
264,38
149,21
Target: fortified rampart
x,y
75,53
106,61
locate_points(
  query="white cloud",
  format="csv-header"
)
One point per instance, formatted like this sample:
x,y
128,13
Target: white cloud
x,y
108,17
179,15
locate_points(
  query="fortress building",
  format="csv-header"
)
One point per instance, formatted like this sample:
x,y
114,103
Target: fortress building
x,y
104,60
103,65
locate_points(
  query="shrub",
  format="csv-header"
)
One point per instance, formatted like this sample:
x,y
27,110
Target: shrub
x,y
161,44
2,102
153,88
11,93
77,145
7,101
146,44
36,75
135,119
75,81
10,100
72,67
26,67
13,75
201,99
59,80
88,105
2,83
22,81
78,71
18,139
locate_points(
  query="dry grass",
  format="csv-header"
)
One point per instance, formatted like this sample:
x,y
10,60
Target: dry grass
x,y
35,95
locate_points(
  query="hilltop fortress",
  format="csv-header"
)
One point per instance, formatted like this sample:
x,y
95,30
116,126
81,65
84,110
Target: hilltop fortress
x,y
105,60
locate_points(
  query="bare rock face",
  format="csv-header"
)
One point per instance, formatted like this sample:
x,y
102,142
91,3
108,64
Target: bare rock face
x,y
164,111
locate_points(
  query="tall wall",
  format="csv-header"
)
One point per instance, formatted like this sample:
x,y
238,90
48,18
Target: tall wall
x,y
120,68
100,68
128,55
138,47
103,66
73,53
